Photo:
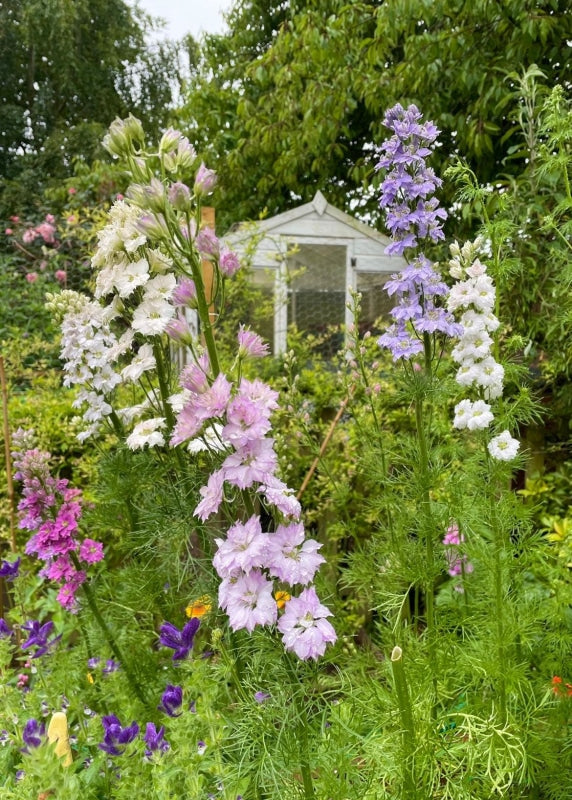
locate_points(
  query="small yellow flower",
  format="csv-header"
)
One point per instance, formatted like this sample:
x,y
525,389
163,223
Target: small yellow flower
x,y
281,598
90,678
198,608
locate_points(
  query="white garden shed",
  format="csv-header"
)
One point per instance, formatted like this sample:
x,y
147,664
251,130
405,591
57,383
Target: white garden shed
x,y
309,258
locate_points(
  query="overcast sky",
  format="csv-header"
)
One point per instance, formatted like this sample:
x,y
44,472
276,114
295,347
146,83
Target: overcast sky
x,y
188,16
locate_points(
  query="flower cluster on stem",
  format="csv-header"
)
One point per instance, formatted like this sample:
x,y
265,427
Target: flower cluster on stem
x,y
474,296
412,217
51,510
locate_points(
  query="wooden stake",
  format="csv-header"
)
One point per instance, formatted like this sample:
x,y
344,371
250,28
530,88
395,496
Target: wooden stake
x,y
208,221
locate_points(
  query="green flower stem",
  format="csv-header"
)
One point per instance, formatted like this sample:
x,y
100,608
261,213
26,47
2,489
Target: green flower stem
x,y
305,768
109,636
407,725
499,547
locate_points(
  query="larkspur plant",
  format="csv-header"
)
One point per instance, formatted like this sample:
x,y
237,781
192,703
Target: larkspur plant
x,y
51,509
148,277
457,686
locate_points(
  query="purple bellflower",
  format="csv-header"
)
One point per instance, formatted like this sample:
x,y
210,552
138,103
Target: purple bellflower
x,y
155,739
115,736
39,637
5,631
181,641
33,733
10,570
171,700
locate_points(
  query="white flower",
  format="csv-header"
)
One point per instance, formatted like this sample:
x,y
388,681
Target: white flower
x,y
143,360
476,269
161,286
474,416
147,433
152,316
130,413
473,346
462,295
131,275
503,447
179,401
211,440
485,291
490,375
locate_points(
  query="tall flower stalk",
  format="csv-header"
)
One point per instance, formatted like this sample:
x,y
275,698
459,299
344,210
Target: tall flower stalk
x,y
420,318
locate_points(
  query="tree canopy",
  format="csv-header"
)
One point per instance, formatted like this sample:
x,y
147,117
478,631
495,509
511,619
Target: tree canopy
x,y
66,70
291,99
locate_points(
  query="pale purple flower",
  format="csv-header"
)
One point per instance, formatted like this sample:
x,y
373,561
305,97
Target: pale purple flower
x,y
181,641
291,558
456,560
278,494
111,666
185,293
5,631
229,262
179,196
205,180
207,243
256,462
251,344
304,627
261,697
242,550
212,496
248,601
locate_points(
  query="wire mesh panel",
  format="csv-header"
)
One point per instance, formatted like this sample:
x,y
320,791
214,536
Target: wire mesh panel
x,y
317,290
375,304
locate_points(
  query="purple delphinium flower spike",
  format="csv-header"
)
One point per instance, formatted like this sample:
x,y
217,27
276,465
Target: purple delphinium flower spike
x,y
171,700
33,733
155,739
181,641
39,637
10,570
412,216
115,735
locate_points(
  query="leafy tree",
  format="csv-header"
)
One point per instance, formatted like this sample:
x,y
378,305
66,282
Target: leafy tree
x,y
66,69
291,98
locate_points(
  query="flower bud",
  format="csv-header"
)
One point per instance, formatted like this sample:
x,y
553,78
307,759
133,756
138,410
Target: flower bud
x,y
169,141
228,263
205,180
153,225
207,243
185,294
180,196
122,134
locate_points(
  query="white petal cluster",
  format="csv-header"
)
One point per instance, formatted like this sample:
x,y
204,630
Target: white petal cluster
x,y
148,433
88,351
503,447
474,297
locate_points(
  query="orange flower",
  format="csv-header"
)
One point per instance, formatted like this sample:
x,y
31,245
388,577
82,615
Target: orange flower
x,y
198,608
281,598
